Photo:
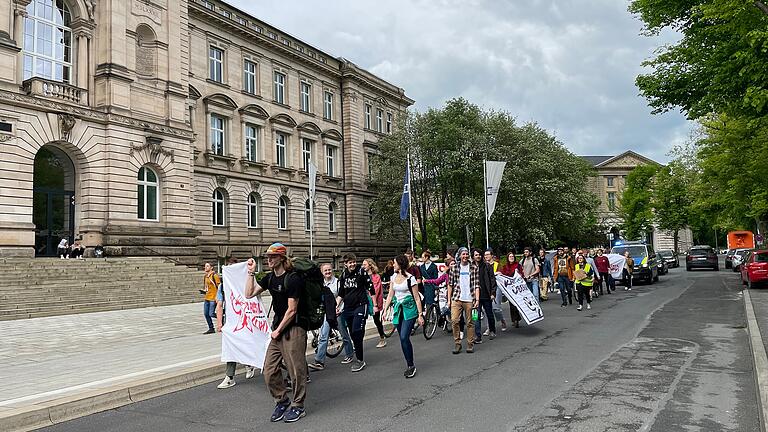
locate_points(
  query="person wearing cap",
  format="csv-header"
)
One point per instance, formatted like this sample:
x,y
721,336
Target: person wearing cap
x,y
354,287
289,334
463,296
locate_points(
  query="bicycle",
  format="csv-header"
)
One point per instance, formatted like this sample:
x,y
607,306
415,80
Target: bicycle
x,y
335,342
386,321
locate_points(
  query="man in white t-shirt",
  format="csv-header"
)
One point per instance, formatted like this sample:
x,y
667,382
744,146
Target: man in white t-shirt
x,y
463,296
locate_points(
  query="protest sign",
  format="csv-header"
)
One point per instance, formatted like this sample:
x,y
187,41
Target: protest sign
x,y
617,264
246,333
516,291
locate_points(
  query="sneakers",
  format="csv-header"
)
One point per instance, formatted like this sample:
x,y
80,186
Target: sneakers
x,y
503,325
478,341
317,366
589,306
250,372
578,308
492,336
410,372
487,333
358,366
625,288
629,289
279,412
382,343
470,349
294,414
347,360
226,383
210,331
456,349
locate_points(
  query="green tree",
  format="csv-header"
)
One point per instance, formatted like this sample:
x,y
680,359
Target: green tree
x,y
671,200
635,205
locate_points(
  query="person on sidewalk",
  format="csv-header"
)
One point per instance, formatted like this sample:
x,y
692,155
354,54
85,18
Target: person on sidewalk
x,y
545,275
407,310
603,267
463,295
626,272
487,293
354,288
229,377
211,282
510,268
378,299
584,278
289,333
531,270
332,283
562,268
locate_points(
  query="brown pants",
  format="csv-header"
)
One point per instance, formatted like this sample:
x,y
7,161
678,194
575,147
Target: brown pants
x,y
457,307
291,349
544,287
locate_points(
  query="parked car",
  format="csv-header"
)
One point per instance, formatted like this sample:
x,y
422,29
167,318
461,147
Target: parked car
x,y
754,269
663,268
670,257
729,258
738,258
646,265
701,257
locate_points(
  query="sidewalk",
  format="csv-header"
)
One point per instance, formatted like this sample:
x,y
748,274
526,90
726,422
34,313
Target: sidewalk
x,y
756,303
60,362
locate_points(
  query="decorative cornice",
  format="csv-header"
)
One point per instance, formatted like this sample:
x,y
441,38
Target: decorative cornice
x,y
155,149
90,114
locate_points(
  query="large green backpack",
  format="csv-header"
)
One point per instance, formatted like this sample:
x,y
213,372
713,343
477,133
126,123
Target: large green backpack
x,y
311,307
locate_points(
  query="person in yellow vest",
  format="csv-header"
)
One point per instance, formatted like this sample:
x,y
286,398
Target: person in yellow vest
x,y
584,277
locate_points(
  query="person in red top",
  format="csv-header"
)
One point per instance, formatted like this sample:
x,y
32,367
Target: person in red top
x,y
604,268
508,269
378,298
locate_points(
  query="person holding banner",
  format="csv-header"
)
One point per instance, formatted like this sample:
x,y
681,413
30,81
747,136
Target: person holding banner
x,y
289,338
510,268
584,278
463,296
627,270
562,269
603,266
404,291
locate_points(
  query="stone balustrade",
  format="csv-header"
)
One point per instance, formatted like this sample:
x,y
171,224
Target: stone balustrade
x,y
60,91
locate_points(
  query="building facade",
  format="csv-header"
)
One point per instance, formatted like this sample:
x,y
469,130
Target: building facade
x,y
181,128
608,184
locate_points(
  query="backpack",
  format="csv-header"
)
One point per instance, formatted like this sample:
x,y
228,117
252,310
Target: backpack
x,y
312,301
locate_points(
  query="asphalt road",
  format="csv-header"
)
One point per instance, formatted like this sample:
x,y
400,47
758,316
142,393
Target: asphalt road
x,y
665,357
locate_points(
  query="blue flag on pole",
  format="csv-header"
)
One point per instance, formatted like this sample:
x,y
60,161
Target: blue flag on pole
x,y
405,201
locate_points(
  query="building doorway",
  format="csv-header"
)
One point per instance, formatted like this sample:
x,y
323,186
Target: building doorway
x,y
53,205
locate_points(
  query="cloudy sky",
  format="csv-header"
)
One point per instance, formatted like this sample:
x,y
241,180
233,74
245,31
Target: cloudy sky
x,y
569,65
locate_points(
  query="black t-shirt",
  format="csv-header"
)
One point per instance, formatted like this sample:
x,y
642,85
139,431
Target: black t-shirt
x,y
281,288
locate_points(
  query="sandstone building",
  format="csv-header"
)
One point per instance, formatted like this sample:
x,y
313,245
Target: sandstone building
x,y
180,128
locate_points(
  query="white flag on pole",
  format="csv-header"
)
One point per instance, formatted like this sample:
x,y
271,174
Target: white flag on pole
x,y
312,177
246,333
494,170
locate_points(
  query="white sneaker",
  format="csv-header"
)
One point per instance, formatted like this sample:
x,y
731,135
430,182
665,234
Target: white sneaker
x,y
589,306
487,333
226,383
250,372
578,308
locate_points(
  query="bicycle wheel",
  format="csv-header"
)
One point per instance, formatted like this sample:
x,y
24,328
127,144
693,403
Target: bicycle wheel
x,y
386,321
430,322
335,344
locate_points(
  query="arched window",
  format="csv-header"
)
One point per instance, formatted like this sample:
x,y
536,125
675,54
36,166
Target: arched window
x,y
218,207
48,41
147,192
253,210
282,213
331,217
307,216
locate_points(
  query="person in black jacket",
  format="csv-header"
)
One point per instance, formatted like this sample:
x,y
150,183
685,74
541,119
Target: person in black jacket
x,y
354,287
487,292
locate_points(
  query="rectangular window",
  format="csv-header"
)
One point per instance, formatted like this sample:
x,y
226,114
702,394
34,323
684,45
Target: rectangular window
x,y
611,201
389,122
328,106
367,116
280,140
379,119
306,154
251,143
610,181
217,135
371,156
279,87
330,156
216,64
306,90
249,77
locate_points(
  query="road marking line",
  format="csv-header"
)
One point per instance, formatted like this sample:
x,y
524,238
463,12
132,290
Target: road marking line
x,y
760,358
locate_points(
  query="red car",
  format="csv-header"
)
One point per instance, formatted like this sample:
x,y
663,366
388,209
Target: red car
x,y
754,269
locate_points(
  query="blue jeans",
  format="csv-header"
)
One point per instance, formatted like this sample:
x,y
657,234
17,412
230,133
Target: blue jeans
x,y
487,305
404,329
322,344
209,310
533,285
565,288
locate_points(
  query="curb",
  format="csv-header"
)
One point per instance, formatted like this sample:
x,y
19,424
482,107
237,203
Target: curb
x,y
43,413
760,359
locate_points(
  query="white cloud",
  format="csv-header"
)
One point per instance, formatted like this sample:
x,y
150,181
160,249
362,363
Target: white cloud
x,y
569,65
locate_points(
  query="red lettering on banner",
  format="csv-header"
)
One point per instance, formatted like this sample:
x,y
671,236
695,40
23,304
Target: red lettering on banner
x,y
249,314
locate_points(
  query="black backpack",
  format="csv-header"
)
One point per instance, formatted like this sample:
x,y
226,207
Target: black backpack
x,y
312,308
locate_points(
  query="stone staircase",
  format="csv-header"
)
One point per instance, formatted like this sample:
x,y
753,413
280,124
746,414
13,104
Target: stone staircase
x,y
40,287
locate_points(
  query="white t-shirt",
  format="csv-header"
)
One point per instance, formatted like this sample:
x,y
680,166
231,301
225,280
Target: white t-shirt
x,y
466,290
333,285
401,289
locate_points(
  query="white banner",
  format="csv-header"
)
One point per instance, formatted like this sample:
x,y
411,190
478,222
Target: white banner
x,y
516,290
617,264
246,332
312,178
493,173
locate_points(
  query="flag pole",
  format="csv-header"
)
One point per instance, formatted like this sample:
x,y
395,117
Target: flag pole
x,y
410,209
485,192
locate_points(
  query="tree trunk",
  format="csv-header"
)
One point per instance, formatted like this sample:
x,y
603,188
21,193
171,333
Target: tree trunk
x,y
762,6
676,237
